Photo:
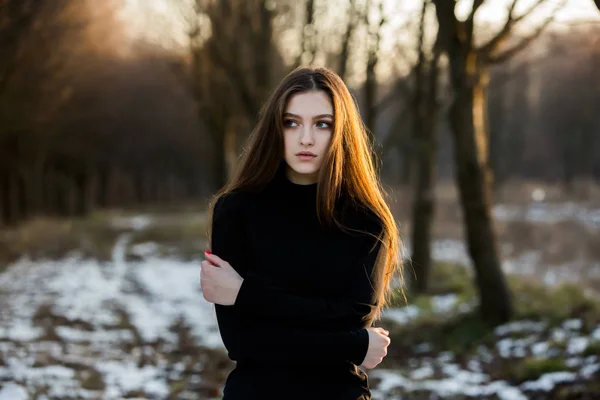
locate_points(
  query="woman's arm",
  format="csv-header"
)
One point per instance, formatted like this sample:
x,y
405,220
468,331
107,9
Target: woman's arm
x,y
245,340
259,298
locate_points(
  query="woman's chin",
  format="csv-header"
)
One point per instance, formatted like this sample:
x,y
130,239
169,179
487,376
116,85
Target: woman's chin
x,y
304,171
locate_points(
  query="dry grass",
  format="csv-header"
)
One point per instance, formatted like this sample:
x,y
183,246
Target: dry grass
x,y
51,238
183,237
181,234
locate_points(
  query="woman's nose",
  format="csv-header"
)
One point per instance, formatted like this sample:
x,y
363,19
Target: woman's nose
x,y
307,136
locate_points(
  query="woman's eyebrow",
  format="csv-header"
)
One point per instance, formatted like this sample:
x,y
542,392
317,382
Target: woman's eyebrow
x,y
290,115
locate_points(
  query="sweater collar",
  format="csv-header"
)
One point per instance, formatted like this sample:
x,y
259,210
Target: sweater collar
x,y
291,188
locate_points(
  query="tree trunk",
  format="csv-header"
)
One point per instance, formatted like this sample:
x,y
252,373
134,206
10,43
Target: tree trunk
x,y
8,211
82,202
407,164
425,117
467,118
370,92
102,185
61,193
21,196
139,187
423,206
229,151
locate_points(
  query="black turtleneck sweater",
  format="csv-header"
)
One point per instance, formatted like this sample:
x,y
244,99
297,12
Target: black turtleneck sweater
x,y
298,326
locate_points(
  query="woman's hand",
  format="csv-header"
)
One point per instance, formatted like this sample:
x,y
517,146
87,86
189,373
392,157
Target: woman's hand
x,y
220,283
378,344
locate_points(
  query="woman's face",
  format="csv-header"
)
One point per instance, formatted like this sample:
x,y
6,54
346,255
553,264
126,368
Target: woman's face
x,y
307,128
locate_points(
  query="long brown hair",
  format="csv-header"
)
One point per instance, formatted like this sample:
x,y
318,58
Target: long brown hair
x,y
349,166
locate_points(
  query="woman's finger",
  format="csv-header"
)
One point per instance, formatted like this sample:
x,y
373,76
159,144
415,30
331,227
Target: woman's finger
x,y
207,264
214,259
383,331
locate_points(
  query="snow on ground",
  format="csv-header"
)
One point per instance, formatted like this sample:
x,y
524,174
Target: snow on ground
x,y
543,212
444,377
90,299
529,262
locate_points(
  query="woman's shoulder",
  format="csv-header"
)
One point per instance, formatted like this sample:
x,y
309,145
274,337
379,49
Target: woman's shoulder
x,y
236,201
361,217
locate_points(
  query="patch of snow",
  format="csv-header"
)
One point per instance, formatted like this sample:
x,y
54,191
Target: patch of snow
x,y
445,357
474,365
573,362
520,326
388,380
596,333
540,349
559,335
577,345
146,249
547,381
509,347
445,303
12,391
589,370
451,251
126,377
455,371
461,384
424,372
574,324
402,315
549,213
113,336
20,331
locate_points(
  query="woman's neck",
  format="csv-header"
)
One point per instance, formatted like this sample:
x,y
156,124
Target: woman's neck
x,y
301,179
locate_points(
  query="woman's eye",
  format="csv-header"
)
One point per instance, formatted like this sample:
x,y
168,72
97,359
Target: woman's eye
x,y
289,123
323,124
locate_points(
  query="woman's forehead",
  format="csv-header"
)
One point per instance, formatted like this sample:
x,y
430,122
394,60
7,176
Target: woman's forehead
x,y
309,104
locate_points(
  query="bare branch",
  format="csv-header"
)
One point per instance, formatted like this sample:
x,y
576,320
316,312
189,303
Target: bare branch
x,y
523,43
494,43
444,10
350,27
470,22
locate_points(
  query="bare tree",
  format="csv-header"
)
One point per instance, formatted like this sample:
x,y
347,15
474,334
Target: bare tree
x,y
352,22
232,72
373,47
32,44
425,109
570,97
469,65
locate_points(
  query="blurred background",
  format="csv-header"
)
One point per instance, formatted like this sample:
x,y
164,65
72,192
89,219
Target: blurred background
x,y
119,119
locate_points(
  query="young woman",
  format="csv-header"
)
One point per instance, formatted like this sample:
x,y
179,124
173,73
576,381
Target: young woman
x,y
304,248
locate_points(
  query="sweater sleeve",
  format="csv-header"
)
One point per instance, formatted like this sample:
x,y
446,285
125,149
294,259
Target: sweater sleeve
x,y
261,299
245,339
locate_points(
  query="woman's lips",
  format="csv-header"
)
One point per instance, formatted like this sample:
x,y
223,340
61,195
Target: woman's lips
x,y
305,157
